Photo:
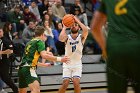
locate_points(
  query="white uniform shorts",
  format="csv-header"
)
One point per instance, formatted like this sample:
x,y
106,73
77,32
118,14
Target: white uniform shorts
x,y
72,72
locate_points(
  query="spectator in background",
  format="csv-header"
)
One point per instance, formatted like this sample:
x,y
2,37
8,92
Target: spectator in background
x,y
95,4
59,45
39,2
28,32
28,15
82,17
76,4
50,13
34,9
78,10
17,20
50,37
48,17
7,29
26,2
44,7
58,11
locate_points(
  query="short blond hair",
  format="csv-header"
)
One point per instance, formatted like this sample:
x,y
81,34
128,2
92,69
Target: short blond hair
x,y
39,30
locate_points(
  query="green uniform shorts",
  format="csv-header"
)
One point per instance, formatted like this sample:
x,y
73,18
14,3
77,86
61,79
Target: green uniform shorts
x,y
123,66
25,77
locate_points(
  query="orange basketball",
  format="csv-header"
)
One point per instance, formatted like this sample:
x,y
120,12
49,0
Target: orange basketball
x,y
68,20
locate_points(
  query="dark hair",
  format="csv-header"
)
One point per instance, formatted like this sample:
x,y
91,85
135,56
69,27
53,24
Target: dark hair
x,y
32,20
26,7
39,30
33,1
50,19
6,27
77,8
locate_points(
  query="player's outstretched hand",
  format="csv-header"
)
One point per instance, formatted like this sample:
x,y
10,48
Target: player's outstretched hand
x,y
65,59
43,64
47,64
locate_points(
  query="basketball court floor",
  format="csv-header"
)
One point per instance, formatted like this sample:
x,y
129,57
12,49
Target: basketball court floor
x,y
101,90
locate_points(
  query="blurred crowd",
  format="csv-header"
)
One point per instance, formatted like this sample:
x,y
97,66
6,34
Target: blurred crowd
x,y
23,16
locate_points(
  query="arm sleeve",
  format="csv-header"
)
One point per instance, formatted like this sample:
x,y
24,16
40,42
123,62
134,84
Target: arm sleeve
x,y
40,46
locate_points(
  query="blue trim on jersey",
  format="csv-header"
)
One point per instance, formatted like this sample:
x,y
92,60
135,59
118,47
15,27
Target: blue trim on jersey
x,y
76,77
66,78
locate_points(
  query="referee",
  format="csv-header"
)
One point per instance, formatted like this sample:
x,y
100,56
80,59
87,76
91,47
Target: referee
x,y
6,48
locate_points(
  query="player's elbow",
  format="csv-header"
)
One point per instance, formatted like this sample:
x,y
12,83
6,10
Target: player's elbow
x,y
43,54
61,39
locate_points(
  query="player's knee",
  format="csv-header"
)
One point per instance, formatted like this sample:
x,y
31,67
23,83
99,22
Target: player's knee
x,y
66,82
35,89
76,81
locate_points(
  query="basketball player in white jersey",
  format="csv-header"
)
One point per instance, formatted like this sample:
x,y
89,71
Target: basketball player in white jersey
x,y
73,49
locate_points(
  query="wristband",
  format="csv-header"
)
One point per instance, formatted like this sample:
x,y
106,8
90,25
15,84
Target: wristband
x,y
58,58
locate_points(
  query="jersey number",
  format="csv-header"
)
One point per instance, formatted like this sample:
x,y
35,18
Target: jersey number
x,y
27,49
73,48
119,9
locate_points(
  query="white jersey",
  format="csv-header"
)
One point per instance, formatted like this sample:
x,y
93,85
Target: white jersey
x,y
73,49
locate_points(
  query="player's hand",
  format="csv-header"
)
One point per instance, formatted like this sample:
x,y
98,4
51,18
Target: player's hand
x,y
43,64
65,59
76,19
47,64
64,26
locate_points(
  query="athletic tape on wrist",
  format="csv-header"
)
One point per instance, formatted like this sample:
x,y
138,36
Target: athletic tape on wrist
x,y
58,59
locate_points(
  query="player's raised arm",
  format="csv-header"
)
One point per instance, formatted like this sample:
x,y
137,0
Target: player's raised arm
x,y
84,29
63,36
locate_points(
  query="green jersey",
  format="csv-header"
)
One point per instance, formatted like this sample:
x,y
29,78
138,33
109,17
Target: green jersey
x,y
123,18
32,52
123,44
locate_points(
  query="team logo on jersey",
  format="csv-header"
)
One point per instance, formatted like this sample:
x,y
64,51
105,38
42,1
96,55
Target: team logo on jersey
x,y
73,43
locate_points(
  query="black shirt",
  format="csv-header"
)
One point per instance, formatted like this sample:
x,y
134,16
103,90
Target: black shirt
x,y
4,45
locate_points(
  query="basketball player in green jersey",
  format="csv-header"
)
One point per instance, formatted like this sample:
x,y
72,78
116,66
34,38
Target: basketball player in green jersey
x,y
34,49
122,46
